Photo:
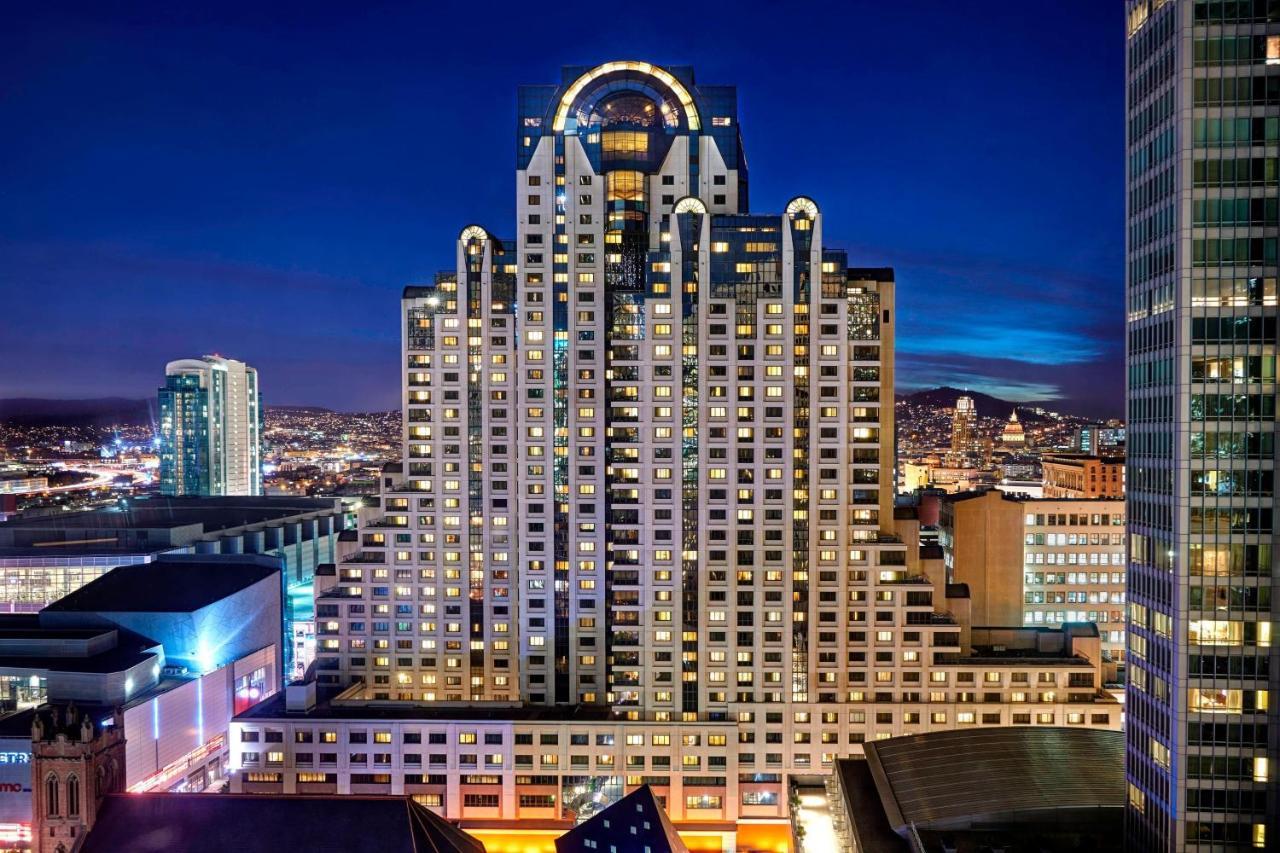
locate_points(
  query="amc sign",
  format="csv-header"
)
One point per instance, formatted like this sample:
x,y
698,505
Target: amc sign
x,y
15,792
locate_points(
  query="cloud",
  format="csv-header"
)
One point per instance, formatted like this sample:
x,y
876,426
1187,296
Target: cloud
x,y
1021,331
110,317
1018,332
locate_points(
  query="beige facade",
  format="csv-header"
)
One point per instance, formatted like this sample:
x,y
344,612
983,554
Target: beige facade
x,y
489,762
1039,561
1082,476
982,544
655,508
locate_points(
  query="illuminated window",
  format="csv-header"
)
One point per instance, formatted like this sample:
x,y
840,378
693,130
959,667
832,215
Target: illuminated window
x,y
625,144
624,185
1213,632
1211,700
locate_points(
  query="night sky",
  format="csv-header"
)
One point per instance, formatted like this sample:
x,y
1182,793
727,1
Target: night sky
x,y
262,182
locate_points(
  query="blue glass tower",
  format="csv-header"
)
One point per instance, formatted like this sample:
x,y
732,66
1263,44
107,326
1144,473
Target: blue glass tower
x,y
210,428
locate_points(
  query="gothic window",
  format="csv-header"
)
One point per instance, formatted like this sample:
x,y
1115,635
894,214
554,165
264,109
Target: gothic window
x,y
73,796
51,795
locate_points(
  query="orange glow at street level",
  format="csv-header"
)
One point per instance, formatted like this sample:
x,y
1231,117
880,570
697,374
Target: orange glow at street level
x,y
750,838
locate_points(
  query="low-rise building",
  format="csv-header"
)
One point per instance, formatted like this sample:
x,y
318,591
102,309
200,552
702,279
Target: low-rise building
x,y
491,764
163,653
44,558
1082,475
19,485
1039,561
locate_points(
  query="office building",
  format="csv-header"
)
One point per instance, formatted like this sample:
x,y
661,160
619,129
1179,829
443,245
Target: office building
x,y
1039,561
1098,439
210,428
964,431
1050,790
1202,712
1079,475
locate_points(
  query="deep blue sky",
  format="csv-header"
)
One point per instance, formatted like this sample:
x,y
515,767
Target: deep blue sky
x,y
262,181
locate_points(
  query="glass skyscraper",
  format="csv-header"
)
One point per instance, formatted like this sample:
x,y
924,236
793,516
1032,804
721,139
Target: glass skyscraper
x,y
1203,130
210,428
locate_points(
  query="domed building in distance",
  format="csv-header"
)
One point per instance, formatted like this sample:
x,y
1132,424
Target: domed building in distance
x,y
1012,435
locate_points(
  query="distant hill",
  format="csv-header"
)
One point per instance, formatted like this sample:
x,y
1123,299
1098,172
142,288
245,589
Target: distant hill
x,y
316,409
988,406
100,412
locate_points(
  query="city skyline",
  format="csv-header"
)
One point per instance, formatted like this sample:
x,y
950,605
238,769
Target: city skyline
x,y
253,195
801,429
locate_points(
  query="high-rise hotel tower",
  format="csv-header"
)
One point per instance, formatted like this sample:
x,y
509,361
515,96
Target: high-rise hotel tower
x,y
640,433
1203,110
642,531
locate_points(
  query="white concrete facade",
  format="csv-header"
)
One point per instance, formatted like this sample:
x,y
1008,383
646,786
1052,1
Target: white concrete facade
x,y
232,421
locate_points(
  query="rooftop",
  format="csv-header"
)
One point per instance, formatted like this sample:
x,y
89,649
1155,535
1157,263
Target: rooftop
x,y
338,708
952,778
252,823
149,525
1019,498
118,659
1010,657
18,724
170,584
869,274
863,810
27,645
638,820
165,512
1106,459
